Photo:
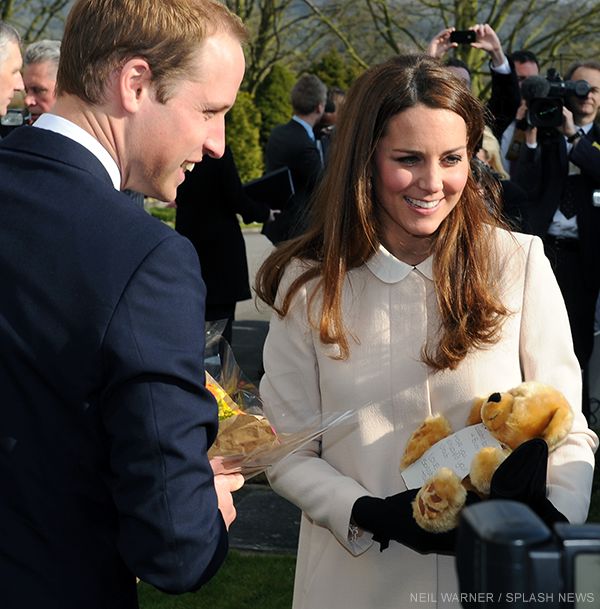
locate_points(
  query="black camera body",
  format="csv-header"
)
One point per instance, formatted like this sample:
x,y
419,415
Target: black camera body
x,y
545,109
463,36
508,558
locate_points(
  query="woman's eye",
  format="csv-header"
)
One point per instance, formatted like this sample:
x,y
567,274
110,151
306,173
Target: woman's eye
x,y
453,159
406,160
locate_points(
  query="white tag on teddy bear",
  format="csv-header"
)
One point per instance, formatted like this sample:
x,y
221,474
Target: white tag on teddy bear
x,y
455,451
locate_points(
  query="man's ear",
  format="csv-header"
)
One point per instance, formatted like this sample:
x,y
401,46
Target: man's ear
x,y
135,80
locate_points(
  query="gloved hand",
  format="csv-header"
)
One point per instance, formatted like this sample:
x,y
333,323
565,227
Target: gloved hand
x,y
522,477
392,518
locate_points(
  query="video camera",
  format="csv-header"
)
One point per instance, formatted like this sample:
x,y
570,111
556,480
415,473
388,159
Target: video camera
x,y
508,558
545,97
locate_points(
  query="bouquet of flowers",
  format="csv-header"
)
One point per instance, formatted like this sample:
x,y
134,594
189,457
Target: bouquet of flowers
x,y
247,441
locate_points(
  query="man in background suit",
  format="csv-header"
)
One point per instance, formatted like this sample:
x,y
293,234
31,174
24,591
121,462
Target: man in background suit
x,y
294,145
40,65
10,65
105,421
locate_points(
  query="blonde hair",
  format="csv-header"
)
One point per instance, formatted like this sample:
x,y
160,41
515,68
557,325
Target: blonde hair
x,y
344,231
101,35
493,155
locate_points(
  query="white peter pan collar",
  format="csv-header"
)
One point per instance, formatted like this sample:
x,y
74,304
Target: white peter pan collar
x,y
386,267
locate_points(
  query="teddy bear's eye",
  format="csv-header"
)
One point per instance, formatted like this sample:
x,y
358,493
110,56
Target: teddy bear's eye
x,y
495,397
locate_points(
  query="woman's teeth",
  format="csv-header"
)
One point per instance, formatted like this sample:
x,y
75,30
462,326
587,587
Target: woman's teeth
x,y
422,204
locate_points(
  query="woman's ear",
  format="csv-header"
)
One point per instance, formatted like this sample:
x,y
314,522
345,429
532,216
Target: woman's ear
x,y
135,80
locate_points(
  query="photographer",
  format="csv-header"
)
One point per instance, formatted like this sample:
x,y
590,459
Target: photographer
x,y
506,74
560,169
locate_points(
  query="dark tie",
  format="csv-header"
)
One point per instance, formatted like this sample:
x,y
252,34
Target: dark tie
x,y
572,194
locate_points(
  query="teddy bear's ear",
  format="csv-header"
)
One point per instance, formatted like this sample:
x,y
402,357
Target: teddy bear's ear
x,y
475,415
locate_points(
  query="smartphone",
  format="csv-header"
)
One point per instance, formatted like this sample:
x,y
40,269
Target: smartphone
x,y
463,36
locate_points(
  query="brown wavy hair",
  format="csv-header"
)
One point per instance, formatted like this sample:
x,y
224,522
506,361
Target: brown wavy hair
x,y
344,231
102,35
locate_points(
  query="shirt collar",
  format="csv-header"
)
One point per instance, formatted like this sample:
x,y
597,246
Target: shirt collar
x,y
387,268
61,125
307,126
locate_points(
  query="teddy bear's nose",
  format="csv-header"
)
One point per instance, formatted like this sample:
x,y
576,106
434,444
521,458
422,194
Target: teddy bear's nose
x,y
495,397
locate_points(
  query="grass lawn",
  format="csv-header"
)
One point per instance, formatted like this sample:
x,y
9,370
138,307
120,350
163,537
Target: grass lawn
x,y
245,581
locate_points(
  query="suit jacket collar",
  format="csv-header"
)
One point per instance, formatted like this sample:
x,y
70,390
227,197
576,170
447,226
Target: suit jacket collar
x,y
55,147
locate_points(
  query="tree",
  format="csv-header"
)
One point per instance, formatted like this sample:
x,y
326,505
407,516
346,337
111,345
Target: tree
x,y
273,99
557,31
243,128
335,70
35,19
281,32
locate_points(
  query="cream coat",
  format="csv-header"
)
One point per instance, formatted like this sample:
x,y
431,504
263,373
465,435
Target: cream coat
x,y
390,308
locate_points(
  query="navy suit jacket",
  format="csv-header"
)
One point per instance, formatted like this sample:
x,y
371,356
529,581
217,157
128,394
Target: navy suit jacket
x,y
104,418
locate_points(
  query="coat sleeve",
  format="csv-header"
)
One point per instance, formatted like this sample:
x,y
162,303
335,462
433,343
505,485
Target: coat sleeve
x,y
290,391
160,421
547,356
504,99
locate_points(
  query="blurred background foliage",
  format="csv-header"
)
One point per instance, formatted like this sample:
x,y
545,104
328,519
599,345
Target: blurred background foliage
x,y
337,39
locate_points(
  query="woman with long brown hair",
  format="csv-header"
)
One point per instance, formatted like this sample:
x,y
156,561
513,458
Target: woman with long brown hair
x,y
405,298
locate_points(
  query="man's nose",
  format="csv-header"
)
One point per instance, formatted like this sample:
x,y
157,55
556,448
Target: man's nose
x,y
214,144
18,84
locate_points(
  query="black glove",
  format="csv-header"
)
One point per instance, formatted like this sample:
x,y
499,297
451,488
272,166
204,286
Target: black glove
x,y
392,518
522,477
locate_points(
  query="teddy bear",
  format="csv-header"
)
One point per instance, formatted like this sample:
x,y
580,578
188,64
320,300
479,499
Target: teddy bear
x,y
530,410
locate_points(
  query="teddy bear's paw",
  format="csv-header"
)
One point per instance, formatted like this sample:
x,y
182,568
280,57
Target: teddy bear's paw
x,y
437,505
484,464
432,430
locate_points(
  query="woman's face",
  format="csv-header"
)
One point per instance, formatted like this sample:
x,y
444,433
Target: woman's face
x,y
421,168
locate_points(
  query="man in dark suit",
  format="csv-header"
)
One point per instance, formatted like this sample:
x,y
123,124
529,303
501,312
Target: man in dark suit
x,y
105,421
560,169
208,203
294,145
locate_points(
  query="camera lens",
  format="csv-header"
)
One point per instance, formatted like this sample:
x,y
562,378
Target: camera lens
x,y
581,88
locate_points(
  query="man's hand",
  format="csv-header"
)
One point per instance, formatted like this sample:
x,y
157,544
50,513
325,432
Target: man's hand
x,y
568,126
487,40
440,43
225,484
